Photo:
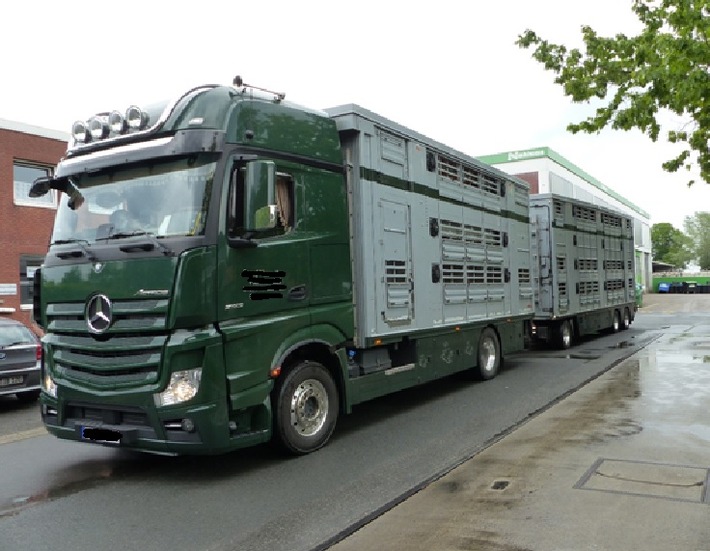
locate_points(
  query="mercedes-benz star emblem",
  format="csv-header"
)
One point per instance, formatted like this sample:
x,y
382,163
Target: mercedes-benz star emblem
x,y
99,314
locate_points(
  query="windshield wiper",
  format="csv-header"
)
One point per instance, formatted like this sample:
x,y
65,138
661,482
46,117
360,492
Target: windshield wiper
x,y
153,242
73,253
16,343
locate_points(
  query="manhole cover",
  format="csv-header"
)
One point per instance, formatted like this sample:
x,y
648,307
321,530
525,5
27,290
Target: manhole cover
x,y
641,478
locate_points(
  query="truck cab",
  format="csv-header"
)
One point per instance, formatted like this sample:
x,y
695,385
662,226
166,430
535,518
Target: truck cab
x,y
199,244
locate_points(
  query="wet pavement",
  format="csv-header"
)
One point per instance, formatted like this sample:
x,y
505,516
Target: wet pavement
x,y
621,464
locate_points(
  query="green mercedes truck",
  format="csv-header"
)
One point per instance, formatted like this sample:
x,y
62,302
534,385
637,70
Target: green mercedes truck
x,y
229,268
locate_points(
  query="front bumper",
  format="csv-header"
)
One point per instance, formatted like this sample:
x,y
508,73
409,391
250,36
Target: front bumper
x,y
14,381
196,429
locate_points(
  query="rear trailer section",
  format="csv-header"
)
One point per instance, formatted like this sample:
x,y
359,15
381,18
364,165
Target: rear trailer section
x,y
584,271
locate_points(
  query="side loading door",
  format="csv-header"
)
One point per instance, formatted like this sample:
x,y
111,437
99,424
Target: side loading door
x,y
394,260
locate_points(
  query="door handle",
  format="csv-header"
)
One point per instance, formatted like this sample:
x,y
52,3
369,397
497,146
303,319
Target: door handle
x,y
297,293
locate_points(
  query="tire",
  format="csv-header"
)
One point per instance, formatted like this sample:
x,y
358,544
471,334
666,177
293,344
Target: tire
x,y
565,334
489,355
306,405
616,322
626,319
27,397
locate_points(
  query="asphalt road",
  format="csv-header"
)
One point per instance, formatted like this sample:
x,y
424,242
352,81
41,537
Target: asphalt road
x,y
57,495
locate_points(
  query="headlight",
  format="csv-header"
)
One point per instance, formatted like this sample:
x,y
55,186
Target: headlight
x,y
48,385
183,386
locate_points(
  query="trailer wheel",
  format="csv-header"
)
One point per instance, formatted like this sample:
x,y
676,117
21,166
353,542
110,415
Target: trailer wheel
x,y
306,408
626,320
489,357
616,323
565,334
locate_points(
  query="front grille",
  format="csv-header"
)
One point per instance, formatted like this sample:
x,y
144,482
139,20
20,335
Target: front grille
x,y
128,315
89,413
128,354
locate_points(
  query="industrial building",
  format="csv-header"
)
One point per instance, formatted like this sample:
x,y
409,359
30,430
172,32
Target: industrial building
x,y
26,153
549,172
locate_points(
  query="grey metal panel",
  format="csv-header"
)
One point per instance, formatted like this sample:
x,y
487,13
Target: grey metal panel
x,y
354,117
453,265
393,225
479,253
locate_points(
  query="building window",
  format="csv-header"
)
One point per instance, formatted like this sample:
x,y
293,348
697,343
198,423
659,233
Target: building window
x,y
28,266
24,174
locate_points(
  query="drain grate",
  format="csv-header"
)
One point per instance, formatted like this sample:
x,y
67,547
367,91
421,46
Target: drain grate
x,y
647,479
500,485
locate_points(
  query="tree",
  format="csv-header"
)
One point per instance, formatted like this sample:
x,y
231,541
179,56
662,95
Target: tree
x,y
638,79
670,245
698,229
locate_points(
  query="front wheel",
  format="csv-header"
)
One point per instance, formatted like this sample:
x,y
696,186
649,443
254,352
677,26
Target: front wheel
x,y
489,356
306,408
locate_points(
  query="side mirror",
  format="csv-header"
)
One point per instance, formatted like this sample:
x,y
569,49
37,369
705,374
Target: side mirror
x,y
260,207
40,187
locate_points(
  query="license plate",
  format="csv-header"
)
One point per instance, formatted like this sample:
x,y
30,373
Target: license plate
x,y
101,435
9,381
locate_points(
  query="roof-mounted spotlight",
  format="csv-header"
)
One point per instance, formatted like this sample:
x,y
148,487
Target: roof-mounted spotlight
x,y
80,132
116,123
98,128
136,118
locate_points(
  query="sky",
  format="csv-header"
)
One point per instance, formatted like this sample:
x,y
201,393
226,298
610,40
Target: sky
x,y
448,69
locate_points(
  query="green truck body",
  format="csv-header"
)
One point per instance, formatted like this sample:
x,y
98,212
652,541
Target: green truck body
x,y
230,268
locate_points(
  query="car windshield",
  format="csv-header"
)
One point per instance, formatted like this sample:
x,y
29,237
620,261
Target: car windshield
x,y
166,198
11,335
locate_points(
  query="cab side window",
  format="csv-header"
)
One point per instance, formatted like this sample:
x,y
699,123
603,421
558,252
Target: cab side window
x,y
257,209
284,201
235,204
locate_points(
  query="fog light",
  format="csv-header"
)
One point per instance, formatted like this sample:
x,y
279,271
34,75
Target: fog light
x,y
183,386
188,425
48,385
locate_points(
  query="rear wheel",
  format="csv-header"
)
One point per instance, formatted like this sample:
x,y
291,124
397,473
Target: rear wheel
x,y
306,408
489,356
564,334
626,320
616,323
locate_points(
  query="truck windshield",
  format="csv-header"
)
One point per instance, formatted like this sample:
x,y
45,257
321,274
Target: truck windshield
x,y
164,198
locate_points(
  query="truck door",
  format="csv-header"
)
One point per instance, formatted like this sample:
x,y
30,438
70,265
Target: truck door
x,y
395,260
543,269
266,272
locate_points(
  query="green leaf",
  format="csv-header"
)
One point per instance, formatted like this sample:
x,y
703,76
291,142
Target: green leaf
x,y
666,67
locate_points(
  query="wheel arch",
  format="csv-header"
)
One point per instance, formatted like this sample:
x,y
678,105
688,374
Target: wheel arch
x,y
325,348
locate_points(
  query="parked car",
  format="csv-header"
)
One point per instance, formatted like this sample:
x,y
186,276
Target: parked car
x,y
20,361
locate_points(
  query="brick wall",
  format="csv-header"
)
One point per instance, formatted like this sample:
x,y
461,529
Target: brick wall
x,y
23,230
532,178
